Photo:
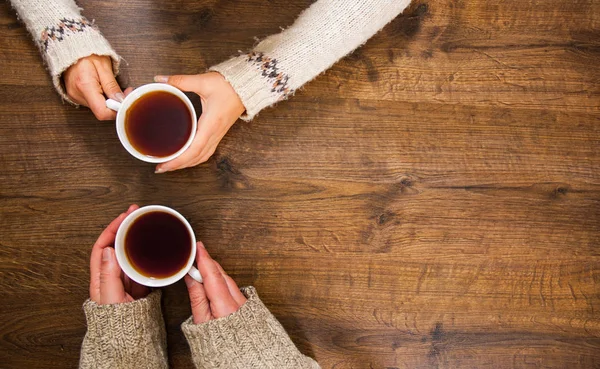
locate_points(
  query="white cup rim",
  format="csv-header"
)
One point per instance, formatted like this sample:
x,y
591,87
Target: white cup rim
x,y
135,95
124,262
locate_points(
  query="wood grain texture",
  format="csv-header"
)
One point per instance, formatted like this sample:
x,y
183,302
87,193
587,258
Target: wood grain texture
x,y
431,201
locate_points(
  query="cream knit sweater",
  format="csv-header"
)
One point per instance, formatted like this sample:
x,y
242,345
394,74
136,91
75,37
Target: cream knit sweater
x,y
132,335
279,65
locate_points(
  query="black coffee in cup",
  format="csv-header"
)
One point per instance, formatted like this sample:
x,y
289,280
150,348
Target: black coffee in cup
x,y
158,244
158,124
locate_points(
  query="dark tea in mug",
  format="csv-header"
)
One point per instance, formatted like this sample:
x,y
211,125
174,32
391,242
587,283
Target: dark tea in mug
x,y
158,124
158,244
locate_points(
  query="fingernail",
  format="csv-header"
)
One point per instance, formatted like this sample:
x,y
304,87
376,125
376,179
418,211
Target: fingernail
x,y
119,96
161,79
106,254
160,170
201,245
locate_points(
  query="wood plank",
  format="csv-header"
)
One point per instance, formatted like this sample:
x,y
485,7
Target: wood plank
x,y
431,201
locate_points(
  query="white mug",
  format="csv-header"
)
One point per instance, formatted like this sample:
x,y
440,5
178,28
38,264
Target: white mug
x,y
122,107
125,264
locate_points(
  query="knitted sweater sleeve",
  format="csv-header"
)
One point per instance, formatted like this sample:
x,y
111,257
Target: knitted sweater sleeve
x,y
63,35
324,33
249,338
124,336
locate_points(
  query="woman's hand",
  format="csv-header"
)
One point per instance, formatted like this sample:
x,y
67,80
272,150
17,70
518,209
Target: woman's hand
x,y
108,284
221,107
90,81
217,296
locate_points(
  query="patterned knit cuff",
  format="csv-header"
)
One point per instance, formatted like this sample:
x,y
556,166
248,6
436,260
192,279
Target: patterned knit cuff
x,y
250,338
124,333
62,52
257,80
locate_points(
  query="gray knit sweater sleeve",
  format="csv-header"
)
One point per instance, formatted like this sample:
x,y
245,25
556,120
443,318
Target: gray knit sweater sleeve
x,y
63,35
125,336
324,33
249,338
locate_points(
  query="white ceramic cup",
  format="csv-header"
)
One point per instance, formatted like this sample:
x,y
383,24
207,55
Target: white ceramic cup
x,y
122,107
125,264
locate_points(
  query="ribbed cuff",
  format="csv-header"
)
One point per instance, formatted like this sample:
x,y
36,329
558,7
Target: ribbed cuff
x,y
249,338
127,335
60,55
246,79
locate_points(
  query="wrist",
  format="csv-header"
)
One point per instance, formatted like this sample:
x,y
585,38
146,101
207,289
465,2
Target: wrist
x,y
250,337
123,318
60,55
253,90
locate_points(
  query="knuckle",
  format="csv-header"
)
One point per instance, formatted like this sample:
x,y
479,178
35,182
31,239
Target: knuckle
x,y
198,303
79,82
112,86
215,273
175,80
190,153
103,115
104,275
210,153
105,59
205,157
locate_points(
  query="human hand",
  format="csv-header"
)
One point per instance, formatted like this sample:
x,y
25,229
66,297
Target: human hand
x,y
108,283
221,107
217,296
89,81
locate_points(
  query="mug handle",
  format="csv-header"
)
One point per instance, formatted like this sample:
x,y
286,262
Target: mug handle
x,y
195,273
113,104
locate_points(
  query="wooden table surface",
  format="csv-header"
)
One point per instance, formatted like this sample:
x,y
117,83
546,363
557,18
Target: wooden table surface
x,y
431,201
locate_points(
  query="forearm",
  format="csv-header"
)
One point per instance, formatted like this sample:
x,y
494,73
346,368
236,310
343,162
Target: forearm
x,y
129,335
324,33
62,34
249,338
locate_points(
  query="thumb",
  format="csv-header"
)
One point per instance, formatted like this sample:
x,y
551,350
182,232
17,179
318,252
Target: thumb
x,y
109,84
194,83
201,312
111,285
